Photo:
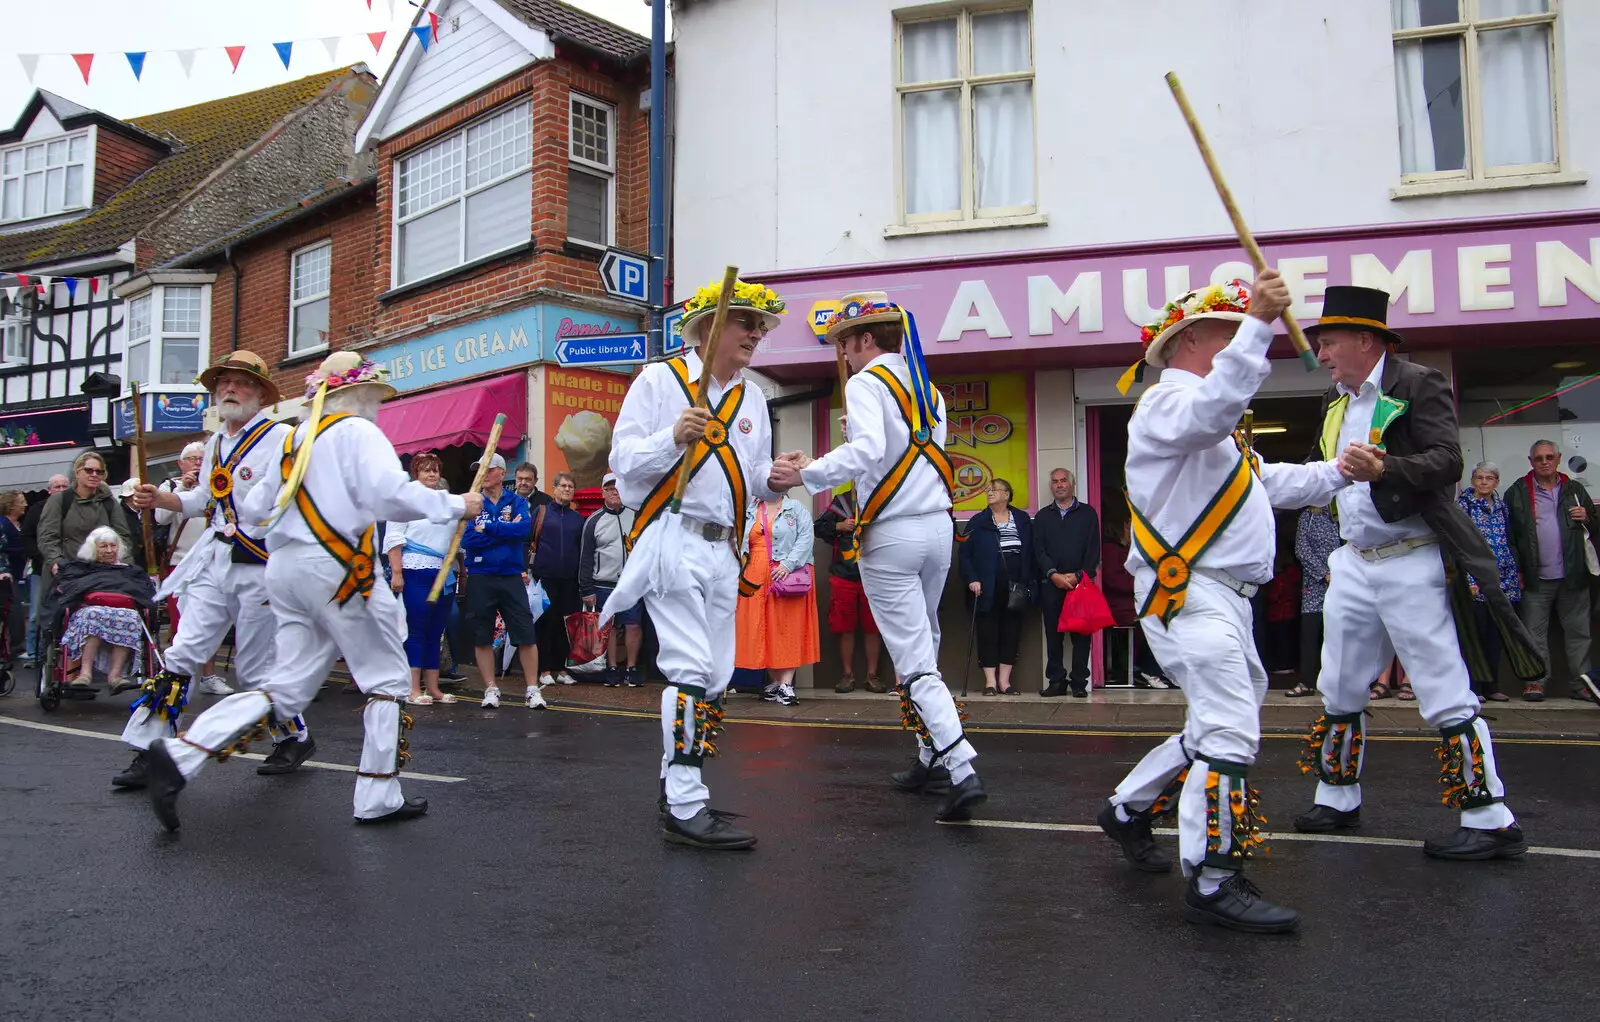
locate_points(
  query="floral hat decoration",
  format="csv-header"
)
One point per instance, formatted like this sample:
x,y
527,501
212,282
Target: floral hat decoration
x,y
340,372
1229,301
746,295
348,369
864,308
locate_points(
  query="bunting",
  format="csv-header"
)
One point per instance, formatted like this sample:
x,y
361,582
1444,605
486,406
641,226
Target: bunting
x,y
234,53
284,50
135,61
40,284
84,61
422,33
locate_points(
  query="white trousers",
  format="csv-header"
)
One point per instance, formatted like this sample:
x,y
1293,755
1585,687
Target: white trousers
x,y
219,595
904,564
694,622
312,631
1209,650
1399,606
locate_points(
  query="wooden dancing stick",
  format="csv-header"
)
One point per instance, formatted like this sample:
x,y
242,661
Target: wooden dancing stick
x,y
461,527
1248,427
147,516
1247,240
719,320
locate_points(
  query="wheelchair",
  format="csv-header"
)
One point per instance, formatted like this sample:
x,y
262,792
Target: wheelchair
x,y
58,667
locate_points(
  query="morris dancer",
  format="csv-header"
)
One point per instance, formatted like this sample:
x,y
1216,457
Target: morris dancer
x,y
322,508
1203,543
221,581
694,599
1408,549
894,453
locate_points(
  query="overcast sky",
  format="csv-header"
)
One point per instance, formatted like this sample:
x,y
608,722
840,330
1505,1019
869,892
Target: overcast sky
x,y
107,28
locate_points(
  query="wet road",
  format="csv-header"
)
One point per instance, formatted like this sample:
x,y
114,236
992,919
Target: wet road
x,y
538,887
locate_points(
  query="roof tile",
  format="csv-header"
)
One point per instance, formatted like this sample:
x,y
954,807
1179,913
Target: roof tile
x,y
610,39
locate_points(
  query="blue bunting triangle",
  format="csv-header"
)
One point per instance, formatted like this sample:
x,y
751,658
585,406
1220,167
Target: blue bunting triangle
x,y
422,32
284,49
72,282
136,61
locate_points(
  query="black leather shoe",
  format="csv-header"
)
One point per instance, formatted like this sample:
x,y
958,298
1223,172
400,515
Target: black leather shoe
x,y
1321,819
927,780
1055,688
706,829
1238,905
164,781
410,809
136,776
287,756
962,800
1138,844
1080,692
1468,845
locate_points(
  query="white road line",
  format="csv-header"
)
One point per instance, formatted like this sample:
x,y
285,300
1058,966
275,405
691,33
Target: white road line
x,y
1332,839
82,733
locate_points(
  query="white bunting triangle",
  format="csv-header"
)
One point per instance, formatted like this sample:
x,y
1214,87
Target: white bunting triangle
x,y
391,10
30,64
331,44
11,294
46,281
186,61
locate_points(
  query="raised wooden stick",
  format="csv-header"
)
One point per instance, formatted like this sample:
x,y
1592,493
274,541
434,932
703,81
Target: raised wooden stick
x,y
708,352
1296,337
461,527
147,516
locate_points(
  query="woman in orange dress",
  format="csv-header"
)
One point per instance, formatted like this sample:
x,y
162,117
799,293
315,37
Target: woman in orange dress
x,y
777,627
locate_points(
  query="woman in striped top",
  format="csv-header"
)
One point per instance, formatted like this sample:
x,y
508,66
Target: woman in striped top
x,y
992,563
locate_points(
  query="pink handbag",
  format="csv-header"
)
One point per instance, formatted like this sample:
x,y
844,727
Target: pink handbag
x,y
796,583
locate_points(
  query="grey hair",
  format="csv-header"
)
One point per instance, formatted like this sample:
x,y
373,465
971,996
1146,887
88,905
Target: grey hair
x,y
1487,466
104,534
1544,443
360,400
1071,476
195,449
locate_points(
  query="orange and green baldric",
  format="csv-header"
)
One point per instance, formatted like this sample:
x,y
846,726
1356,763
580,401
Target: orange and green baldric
x,y
716,447
359,558
921,448
250,551
1172,562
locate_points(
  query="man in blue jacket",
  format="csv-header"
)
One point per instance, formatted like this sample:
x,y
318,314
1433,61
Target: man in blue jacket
x,y
494,547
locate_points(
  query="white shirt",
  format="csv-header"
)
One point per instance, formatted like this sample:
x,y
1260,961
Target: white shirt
x,y
355,478
643,451
184,536
1359,522
424,532
877,438
1181,449
261,462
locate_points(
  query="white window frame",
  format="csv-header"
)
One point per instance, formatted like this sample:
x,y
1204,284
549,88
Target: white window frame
x,y
86,196
156,296
15,329
296,303
969,215
461,197
1476,175
584,165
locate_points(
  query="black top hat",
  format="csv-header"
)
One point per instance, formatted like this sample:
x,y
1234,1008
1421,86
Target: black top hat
x,y
1358,308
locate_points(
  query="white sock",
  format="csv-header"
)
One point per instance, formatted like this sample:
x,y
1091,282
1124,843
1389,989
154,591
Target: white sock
x,y
1122,815
1210,879
686,811
961,773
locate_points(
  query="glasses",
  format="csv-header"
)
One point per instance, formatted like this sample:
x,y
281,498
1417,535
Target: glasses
x,y
86,470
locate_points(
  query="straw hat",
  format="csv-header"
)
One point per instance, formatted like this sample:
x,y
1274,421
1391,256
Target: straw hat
x,y
1227,302
703,304
344,370
242,361
863,308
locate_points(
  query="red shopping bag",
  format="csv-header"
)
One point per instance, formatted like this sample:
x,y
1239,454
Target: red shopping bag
x,y
588,641
1085,611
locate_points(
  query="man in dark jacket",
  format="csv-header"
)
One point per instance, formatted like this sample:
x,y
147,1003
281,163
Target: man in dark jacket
x,y
1066,550
494,546
848,608
601,554
557,533
1551,520
30,544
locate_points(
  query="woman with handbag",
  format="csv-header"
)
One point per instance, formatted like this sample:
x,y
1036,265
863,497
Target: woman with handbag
x,y
1000,580
777,627
415,551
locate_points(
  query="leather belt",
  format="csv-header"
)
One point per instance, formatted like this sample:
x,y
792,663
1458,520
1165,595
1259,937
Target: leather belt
x,y
1247,590
1395,549
711,532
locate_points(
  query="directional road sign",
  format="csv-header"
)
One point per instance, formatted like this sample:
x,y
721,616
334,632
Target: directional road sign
x,y
625,275
614,349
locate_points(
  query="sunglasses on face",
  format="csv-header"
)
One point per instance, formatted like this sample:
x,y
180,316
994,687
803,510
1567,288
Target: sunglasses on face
x,y
86,470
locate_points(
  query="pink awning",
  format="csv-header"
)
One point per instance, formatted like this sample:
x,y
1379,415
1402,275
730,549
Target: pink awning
x,y
458,415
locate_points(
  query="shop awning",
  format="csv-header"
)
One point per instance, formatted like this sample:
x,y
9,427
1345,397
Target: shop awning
x,y
457,415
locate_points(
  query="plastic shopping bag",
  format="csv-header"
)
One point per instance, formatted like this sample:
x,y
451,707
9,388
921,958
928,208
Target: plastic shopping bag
x,y
1084,611
538,601
586,639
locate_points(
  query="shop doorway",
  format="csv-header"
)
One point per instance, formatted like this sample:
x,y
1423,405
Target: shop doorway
x,y
1285,430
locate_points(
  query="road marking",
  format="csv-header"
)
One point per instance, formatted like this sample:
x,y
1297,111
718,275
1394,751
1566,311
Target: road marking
x,y
83,733
1332,839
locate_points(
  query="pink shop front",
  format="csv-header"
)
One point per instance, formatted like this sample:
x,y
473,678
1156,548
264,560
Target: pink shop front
x,y
1028,347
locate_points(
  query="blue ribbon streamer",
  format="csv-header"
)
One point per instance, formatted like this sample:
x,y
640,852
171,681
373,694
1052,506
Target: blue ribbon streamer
x,y
922,392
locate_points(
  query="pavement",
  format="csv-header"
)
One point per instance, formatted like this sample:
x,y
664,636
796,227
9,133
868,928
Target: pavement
x,y
538,885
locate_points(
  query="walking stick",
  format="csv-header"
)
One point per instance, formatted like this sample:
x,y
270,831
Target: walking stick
x,y
146,517
1246,239
972,635
461,527
719,319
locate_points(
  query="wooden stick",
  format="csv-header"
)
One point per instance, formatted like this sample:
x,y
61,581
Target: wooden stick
x,y
708,352
461,527
147,516
1247,240
1248,427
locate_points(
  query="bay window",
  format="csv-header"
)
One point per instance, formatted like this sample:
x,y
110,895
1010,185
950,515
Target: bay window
x,y
166,335
45,177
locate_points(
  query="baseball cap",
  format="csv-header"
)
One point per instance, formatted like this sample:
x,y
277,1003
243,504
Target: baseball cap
x,y
495,461
609,480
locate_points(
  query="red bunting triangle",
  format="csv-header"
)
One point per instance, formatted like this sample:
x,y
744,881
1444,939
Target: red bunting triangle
x,y
85,61
376,38
94,285
234,53
24,280
433,19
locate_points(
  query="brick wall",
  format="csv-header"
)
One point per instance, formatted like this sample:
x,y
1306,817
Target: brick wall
x,y
551,263
117,161
264,267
